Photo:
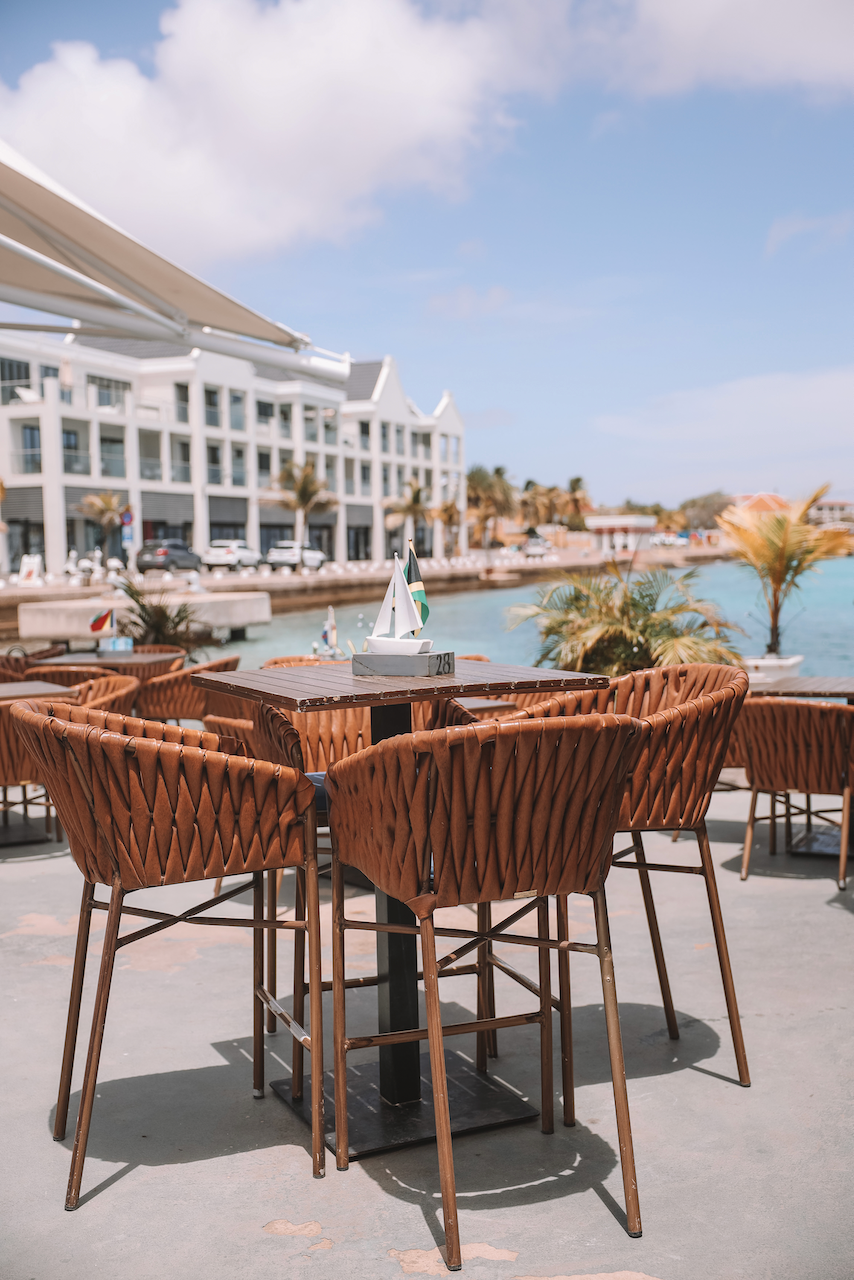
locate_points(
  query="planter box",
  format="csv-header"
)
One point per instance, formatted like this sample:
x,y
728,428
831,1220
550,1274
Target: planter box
x,y
771,666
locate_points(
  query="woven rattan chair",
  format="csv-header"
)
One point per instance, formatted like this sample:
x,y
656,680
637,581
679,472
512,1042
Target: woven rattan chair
x,y
147,804
793,745
18,769
108,693
14,664
173,660
689,712
68,675
175,697
293,660
473,815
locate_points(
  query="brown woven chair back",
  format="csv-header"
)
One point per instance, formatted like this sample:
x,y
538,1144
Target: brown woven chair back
x,y
17,765
108,693
689,711
14,665
67,675
174,649
473,657
175,697
499,809
158,804
794,745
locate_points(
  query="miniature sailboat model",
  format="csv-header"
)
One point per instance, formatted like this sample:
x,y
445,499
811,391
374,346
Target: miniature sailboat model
x,y
398,614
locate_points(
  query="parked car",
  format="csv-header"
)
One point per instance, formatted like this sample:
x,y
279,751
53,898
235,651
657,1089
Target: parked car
x,y
231,553
291,553
537,546
167,553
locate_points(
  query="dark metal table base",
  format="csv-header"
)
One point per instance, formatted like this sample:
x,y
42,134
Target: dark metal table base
x,y
477,1102
821,842
21,830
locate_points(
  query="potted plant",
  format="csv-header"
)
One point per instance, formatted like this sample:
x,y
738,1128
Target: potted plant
x,y
780,546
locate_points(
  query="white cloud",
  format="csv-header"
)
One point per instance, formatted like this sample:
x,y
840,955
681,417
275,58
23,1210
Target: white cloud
x,y
827,230
465,303
263,124
789,432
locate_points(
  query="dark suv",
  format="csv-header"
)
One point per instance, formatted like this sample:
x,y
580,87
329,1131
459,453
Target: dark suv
x,y
167,553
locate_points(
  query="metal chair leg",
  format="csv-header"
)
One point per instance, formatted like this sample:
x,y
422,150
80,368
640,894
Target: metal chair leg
x,y
655,938
315,997
453,1259
547,1119
618,1067
723,953
257,981
483,971
748,836
843,836
272,941
772,825
339,1025
298,1060
787,828
77,975
565,991
99,1018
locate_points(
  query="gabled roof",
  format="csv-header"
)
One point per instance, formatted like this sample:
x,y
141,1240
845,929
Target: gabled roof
x,y
363,379
761,502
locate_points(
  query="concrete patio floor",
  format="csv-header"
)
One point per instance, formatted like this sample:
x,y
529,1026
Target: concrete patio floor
x,y
188,1176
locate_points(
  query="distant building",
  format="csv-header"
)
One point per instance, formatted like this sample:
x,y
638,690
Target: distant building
x,y
760,502
621,532
193,441
832,511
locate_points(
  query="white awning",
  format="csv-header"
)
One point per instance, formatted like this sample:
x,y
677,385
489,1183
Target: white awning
x,y
58,255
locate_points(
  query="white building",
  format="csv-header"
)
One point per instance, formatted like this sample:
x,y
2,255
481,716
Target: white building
x,y
621,532
193,440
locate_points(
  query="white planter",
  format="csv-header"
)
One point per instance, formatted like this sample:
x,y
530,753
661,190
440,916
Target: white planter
x,y
771,666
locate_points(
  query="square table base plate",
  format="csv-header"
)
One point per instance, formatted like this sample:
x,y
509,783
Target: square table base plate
x,y
21,830
477,1102
821,842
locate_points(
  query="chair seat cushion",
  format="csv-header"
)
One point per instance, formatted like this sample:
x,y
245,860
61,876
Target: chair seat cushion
x,y
321,797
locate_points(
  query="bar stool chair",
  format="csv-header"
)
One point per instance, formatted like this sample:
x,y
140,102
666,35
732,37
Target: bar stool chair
x,y
476,814
688,712
147,804
793,745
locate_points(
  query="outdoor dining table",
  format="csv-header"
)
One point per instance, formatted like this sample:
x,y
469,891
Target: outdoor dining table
x,y
332,686
113,659
13,689
807,687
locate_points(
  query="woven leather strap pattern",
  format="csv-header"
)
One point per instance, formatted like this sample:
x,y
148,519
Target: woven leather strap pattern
x,y
159,804
500,809
790,744
175,697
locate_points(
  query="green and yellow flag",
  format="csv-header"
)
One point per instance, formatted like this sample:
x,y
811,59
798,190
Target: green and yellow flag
x,y
413,576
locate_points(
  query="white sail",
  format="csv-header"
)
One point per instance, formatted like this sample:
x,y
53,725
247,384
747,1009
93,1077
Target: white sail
x,y
382,626
406,616
331,628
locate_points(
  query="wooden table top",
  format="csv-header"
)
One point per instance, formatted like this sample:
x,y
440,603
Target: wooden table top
x,y
101,658
334,685
12,689
806,687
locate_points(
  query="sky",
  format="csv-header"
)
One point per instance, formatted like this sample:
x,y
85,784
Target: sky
x,y
620,231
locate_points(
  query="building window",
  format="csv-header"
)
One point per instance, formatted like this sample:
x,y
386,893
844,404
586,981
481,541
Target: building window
x,y
75,458
349,481
180,461
273,533
28,461
182,402
358,543
214,464
237,410
365,435
330,427
428,484
401,481
309,419
13,373
264,457
265,412
112,456
286,457
150,467
331,473
427,445
238,464
415,475
109,391
386,480
455,450
385,437
285,421
399,445
413,443
443,448
211,407
366,479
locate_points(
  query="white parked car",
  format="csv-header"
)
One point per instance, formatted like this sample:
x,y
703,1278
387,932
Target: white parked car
x,y
537,547
294,555
232,553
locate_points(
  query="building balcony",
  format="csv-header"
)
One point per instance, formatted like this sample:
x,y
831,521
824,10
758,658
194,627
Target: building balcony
x,y
150,469
113,467
214,475
27,462
180,473
76,463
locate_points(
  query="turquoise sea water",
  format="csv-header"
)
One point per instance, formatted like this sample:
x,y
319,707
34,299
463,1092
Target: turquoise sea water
x,y
818,621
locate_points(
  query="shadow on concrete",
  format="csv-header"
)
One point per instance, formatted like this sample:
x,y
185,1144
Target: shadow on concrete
x,y
789,866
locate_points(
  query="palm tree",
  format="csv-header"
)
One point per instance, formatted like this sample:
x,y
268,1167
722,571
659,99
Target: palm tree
x,y
780,546
300,491
491,495
578,500
449,514
408,510
609,624
105,510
